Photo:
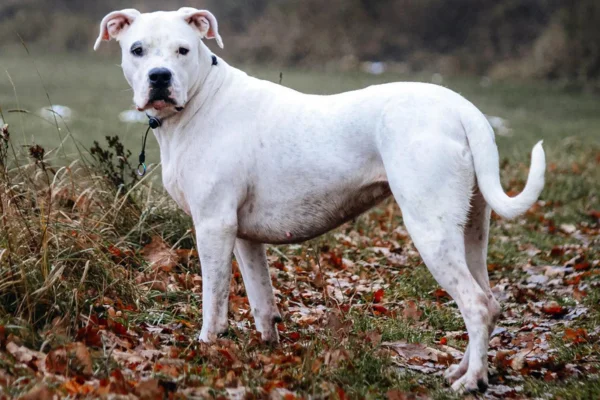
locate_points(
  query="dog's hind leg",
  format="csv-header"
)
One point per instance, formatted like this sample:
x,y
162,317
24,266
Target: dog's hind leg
x,y
476,241
432,185
252,260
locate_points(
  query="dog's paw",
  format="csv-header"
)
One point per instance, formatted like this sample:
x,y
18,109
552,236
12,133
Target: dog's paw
x,y
211,336
206,337
455,372
470,384
269,333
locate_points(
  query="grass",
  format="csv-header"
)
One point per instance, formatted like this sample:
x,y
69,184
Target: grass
x,y
71,244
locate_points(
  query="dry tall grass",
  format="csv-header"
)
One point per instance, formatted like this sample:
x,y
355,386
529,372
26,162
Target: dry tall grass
x,y
66,232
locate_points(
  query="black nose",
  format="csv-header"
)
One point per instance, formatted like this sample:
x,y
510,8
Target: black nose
x,y
160,77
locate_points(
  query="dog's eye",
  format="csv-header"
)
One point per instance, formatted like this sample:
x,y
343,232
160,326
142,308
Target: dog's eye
x,y
137,51
183,51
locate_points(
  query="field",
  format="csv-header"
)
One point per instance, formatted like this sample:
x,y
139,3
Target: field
x,y
100,286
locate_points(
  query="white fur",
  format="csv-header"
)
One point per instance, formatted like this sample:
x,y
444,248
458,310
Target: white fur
x,y
255,162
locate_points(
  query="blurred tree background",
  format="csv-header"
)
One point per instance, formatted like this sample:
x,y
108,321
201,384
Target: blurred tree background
x,y
541,39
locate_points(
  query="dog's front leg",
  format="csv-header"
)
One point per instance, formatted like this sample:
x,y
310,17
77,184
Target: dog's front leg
x,y
252,260
216,238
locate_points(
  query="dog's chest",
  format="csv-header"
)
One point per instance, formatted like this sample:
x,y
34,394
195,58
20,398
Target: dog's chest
x,y
171,182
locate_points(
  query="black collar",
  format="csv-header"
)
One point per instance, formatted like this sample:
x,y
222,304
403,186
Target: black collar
x,y
153,123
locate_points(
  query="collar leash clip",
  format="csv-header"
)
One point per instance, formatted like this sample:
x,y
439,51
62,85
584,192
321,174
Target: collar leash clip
x,y
153,123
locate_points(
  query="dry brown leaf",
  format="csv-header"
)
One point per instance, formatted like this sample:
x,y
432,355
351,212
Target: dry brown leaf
x,y
395,394
338,328
160,255
73,358
74,387
576,336
127,357
335,357
416,353
518,361
411,311
373,337
39,392
149,390
23,354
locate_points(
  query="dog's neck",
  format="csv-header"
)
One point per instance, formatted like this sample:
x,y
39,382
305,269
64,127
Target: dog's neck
x,y
201,95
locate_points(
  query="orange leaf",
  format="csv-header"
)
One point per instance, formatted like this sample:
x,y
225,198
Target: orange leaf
x,y
576,336
378,296
440,293
377,309
75,388
554,309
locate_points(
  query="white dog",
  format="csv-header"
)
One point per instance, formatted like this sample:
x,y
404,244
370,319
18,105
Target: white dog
x,y
254,162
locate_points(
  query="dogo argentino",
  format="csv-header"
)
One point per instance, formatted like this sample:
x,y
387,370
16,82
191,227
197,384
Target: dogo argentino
x,y
254,162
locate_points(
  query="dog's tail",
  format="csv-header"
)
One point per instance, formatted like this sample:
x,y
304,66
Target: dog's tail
x,y
485,158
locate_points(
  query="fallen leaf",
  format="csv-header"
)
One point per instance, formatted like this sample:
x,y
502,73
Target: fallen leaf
x,y
74,387
373,337
39,392
554,309
338,327
576,336
568,228
440,294
334,357
24,355
149,390
378,296
396,395
518,361
379,310
159,255
416,353
117,383
73,358
582,266
128,357
90,335
411,311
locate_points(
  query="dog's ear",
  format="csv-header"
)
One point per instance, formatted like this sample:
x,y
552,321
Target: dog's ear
x,y
204,21
114,24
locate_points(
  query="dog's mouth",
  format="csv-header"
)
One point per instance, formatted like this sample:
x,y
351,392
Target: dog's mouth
x,y
160,99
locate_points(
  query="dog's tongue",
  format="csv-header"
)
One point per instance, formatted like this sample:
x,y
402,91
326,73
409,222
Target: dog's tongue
x,y
159,104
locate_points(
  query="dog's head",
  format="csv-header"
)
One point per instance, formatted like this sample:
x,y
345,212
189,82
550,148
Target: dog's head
x,y
162,53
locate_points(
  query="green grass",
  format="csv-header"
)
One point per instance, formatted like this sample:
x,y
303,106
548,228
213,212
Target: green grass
x,y
93,86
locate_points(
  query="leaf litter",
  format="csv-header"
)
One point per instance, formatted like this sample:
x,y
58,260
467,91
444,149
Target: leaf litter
x,y
323,289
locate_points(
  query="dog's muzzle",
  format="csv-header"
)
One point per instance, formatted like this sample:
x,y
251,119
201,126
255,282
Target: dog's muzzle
x,y
160,80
